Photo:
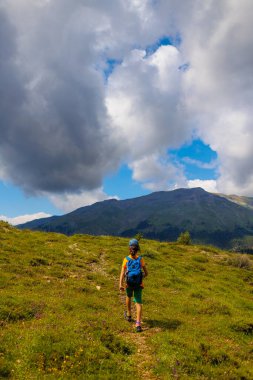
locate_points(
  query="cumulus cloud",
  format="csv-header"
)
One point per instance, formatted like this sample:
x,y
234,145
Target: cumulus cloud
x,y
56,132
209,185
57,139
144,101
219,88
68,202
156,173
65,124
24,218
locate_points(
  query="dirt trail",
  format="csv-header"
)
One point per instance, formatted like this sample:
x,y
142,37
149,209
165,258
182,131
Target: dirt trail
x,y
99,264
144,357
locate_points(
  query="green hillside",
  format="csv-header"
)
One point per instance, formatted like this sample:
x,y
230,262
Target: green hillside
x,y
61,314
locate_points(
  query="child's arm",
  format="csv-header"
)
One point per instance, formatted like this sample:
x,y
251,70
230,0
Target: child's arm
x,y
121,287
145,270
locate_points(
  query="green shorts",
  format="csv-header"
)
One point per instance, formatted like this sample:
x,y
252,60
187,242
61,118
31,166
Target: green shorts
x,y
137,294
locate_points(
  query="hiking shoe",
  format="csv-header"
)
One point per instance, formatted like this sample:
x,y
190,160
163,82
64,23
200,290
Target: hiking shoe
x,y
128,318
138,328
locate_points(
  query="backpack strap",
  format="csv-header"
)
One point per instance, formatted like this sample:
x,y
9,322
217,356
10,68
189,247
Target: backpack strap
x,y
127,259
139,259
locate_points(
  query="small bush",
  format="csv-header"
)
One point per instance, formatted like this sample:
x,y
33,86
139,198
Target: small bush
x,y
184,238
240,261
138,236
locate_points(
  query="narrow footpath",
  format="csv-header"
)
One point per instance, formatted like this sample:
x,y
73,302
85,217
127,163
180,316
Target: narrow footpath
x,y
144,357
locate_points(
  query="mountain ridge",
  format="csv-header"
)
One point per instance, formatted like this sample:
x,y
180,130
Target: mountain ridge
x,y
210,219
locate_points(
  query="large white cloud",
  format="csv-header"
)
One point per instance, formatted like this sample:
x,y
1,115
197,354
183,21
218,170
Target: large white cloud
x,y
144,101
219,88
68,202
24,218
55,134
157,173
64,125
208,184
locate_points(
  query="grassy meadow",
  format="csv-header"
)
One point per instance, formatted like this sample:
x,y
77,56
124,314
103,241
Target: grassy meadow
x,y
61,314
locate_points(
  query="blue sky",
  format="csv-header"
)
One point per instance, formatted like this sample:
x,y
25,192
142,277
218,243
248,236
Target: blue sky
x,y
199,160
119,99
14,202
192,156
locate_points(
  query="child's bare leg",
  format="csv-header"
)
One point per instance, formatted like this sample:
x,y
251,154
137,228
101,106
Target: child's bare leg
x,y
139,311
128,305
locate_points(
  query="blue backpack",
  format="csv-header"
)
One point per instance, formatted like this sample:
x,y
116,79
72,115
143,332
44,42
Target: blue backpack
x,y
134,272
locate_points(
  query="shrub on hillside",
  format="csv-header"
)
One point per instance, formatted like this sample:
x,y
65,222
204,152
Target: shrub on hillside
x,y
243,245
240,261
184,238
5,226
138,236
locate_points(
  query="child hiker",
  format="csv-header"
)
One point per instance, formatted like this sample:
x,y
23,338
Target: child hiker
x,y
133,270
